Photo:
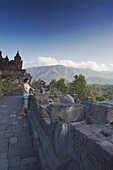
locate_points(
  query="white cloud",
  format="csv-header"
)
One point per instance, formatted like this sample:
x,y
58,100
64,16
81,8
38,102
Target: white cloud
x,y
111,65
47,61
29,64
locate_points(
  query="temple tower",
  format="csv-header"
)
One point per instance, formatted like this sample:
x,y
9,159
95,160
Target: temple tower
x,y
18,62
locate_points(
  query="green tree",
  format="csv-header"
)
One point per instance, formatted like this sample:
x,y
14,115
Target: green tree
x,y
97,89
61,85
40,81
91,94
100,98
70,88
79,86
53,83
102,91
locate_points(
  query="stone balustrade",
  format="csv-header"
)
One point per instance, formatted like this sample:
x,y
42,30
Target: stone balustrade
x,y
71,145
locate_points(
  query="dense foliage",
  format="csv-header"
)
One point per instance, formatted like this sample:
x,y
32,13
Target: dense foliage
x,y
80,87
102,92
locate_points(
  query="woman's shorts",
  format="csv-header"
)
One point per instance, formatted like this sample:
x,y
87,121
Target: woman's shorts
x,y
26,102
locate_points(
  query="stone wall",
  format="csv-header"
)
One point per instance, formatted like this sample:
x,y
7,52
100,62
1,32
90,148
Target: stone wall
x,y
100,113
11,75
70,146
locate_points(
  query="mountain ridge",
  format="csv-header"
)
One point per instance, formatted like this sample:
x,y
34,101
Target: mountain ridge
x,y
47,73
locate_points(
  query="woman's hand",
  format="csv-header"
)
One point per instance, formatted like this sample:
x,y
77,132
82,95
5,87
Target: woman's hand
x,y
30,94
32,89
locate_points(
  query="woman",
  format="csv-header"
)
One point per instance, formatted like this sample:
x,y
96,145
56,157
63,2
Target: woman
x,y
26,94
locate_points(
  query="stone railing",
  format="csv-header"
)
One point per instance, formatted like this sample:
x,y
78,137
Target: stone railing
x,y
72,145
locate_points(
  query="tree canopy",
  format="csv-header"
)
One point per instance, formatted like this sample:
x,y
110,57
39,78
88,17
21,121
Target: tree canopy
x,y
78,86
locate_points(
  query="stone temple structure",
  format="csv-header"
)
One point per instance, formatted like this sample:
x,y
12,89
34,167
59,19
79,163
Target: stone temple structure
x,y
11,74
66,135
72,136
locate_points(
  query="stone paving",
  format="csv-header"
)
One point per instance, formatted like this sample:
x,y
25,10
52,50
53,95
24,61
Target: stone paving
x,y
16,146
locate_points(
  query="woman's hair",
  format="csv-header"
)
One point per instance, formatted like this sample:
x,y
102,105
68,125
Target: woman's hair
x,y
25,80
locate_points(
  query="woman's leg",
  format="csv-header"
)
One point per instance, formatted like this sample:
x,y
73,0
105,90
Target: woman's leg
x,y
25,105
23,111
26,102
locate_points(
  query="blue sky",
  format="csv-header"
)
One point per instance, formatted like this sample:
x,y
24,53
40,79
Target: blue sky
x,y
46,32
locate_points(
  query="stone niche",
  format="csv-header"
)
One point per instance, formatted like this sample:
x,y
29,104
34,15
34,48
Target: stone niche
x,y
11,74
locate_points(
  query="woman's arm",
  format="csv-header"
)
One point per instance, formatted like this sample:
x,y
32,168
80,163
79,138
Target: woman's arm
x,y
31,88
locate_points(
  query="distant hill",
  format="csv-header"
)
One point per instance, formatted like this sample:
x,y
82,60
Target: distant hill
x,y
48,73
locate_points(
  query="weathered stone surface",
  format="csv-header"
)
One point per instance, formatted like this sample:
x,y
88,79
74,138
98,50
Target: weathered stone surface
x,y
66,98
13,140
12,115
65,111
3,156
11,75
28,160
58,146
16,143
100,113
71,146
15,161
4,164
16,64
